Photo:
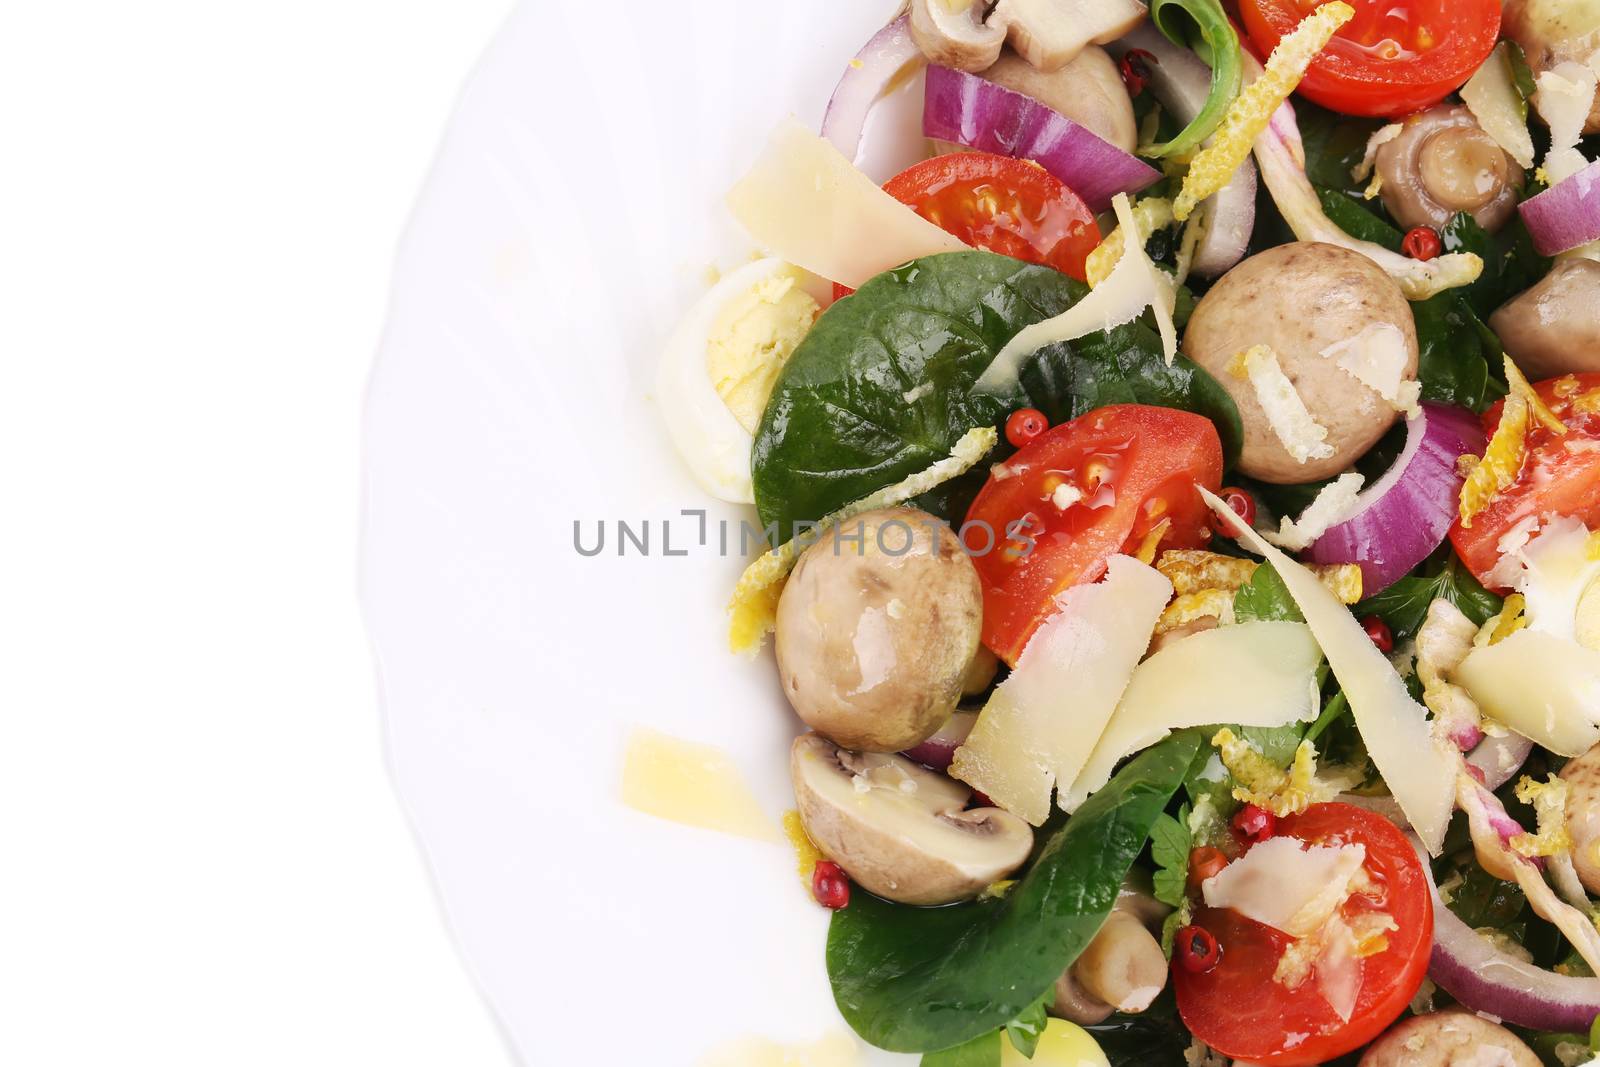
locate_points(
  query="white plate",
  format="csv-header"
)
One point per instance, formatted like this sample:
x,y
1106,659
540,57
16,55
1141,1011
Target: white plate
x,y
570,219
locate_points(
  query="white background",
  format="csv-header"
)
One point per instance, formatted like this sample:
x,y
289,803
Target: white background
x,y
201,859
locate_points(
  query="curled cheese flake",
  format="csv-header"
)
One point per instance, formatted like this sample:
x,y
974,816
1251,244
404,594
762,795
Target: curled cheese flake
x,y
1192,570
1509,621
1213,167
1192,607
1369,158
1587,403
1264,784
1301,435
1149,215
1541,410
1549,802
1501,463
753,610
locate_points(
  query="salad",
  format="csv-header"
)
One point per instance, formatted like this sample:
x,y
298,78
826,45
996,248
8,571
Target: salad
x,y
1182,489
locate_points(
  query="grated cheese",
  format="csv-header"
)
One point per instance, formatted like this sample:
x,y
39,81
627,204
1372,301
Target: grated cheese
x,y
1266,785
1213,167
1565,97
753,610
1149,215
1300,434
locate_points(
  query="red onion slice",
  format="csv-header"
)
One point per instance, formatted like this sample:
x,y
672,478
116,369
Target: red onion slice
x,y
1500,758
1182,82
938,750
967,110
1565,215
1470,968
883,63
1402,517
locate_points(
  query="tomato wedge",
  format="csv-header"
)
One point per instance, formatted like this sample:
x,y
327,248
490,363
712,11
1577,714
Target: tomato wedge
x,y
1077,495
1393,58
1558,476
999,204
1239,1010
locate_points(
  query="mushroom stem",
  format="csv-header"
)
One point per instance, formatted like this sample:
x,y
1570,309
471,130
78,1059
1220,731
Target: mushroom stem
x,y
1124,965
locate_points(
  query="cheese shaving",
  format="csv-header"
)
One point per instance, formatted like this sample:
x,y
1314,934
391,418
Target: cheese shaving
x,y
1150,214
1541,411
1300,434
1332,505
1549,802
1213,167
1133,285
1286,884
1492,96
1565,97
753,611
1369,159
1378,357
1501,463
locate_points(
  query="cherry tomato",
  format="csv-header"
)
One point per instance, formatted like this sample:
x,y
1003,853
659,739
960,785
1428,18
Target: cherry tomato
x,y
1393,58
1239,1010
1243,505
1079,494
1558,476
999,204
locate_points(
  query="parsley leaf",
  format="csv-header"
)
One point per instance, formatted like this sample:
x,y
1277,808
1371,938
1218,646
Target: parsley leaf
x,y
1169,847
1026,1029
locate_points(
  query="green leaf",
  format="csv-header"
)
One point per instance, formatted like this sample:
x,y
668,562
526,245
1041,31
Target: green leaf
x,y
1026,1029
1264,597
1169,848
1454,358
881,388
1156,1037
981,1051
1404,604
1510,262
1181,917
1354,218
919,979
1334,145
1201,25
1337,707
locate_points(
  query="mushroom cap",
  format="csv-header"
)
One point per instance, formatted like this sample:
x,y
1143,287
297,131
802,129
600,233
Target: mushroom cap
x,y
1299,299
1443,162
958,39
1050,33
1583,815
1553,328
875,635
1088,90
899,829
1552,32
1447,1039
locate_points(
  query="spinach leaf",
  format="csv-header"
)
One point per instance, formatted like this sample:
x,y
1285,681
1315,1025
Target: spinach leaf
x,y
1155,1037
1353,217
981,1051
1404,604
1025,1030
1203,26
1124,366
1455,348
1334,145
925,979
1265,597
1169,848
1510,262
881,387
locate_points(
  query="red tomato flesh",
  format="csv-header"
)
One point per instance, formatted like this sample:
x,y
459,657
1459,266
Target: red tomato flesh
x,y
1239,1010
999,204
1395,57
1135,467
1559,473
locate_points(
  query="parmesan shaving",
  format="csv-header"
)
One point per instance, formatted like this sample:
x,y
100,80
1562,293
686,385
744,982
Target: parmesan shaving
x,y
753,611
1286,884
1135,284
1565,97
1361,171
1247,118
1378,358
1492,97
1332,506
1150,214
1300,434
809,205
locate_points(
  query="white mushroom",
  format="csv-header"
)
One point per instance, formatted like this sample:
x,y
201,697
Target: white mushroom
x,y
1443,163
900,830
1047,33
1123,966
1583,816
1076,1004
1554,327
1448,1039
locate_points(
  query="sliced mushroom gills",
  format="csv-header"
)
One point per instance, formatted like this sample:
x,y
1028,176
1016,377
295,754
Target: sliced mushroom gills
x,y
1049,34
899,829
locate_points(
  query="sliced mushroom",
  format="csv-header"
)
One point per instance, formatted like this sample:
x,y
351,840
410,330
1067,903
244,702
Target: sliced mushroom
x,y
1448,1039
1554,327
1087,89
1076,1004
899,829
1583,816
1047,33
1443,162
1124,965
1553,32
980,673
953,34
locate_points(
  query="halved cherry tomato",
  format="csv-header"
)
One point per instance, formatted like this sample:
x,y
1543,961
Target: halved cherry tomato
x,y
1393,58
1077,495
999,204
1239,1010
1558,476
